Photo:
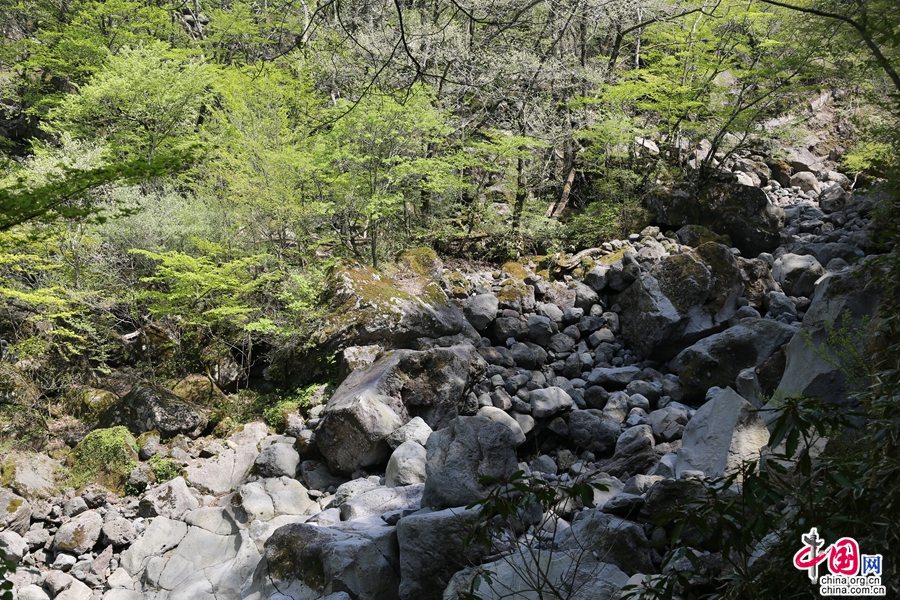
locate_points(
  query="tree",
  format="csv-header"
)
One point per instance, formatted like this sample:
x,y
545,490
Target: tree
x,y
145,99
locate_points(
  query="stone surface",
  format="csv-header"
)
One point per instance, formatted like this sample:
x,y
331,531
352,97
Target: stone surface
x,y
149,407
370,404
481,310
431,551
15,512
797,274
277,460
415,430
722,434
406,465
80,534
458,455
171,499
718,359
549,401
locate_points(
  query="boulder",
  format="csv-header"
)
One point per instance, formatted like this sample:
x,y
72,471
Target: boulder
x,y
618,542
460,454
548,402
648,316
806,181
529,574
501,416
838,296
415,430
717,359
382,500
78,535
481,310
722,434
277,460
31,475
432,550
406,465
593,430
13,545
741,212
307,562
171,499
797,274
200,390
833,198
368,307
371,403
149,407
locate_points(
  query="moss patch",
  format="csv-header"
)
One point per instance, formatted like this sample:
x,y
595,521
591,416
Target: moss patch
x,y
514,270
421,261
104,456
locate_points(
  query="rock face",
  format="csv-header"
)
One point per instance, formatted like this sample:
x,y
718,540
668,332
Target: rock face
x,y
837,296
683,297
307,562
431,551
797,274
371,403
739,211
722,434
149,407
458,455
717,359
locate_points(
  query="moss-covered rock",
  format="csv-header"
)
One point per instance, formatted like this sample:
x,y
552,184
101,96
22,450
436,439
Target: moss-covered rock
x,y
739,211
90,402
148,407
104,456
368,306
695,235
31,475
200,390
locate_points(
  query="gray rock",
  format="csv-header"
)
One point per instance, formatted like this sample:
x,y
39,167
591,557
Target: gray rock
x,y
634,439
585,296
251,503
171,499
528,355
311,562
540,329
513,576
596,277
150,407
639,484
431,551
13,545
623,505
549,402
780,304
649,317
32,592
717,359
722,434
618,542
668,423
382,500
501,416
551,311
617,406
415,430
31,475
481,310
806,181
277,460
118,532
806,372
612,378
370,404
289,497
316,476
407,464
741,212
469,448
797,274
592,430
15,512
833,198
161,535
79,534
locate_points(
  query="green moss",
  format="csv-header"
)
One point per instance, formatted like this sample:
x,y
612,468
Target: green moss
x,y
13,505
421,261
511,291
612,257
104,456
514,270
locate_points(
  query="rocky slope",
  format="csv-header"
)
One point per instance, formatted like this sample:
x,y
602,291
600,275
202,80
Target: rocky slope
x,y
642,368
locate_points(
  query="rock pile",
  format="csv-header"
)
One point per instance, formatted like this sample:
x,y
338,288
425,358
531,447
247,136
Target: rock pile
x,y
644,369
